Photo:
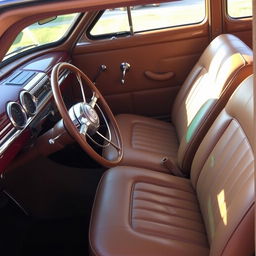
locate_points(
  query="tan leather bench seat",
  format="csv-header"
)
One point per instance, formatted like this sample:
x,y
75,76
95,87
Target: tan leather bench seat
x,y
225,63
147,213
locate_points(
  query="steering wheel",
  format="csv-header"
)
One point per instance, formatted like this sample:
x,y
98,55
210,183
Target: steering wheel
x,y
82,119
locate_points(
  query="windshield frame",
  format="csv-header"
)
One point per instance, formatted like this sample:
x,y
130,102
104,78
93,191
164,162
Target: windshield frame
x,y
44,46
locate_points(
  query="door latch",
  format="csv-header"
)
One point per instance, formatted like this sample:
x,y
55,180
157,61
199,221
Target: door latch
x,y
125,67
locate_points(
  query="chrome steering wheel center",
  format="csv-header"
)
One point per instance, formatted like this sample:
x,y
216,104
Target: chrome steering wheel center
x,y
84,114
90,113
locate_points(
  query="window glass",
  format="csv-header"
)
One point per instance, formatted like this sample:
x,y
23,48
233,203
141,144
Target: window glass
x,y
111,22
43,32
239,8
150,17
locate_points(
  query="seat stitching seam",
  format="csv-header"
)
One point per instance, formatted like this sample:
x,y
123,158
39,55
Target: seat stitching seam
x,y
167,224
167,214
172,186
173,237
167,195
166,204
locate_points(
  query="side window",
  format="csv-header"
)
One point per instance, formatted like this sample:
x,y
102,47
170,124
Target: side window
x,y
149,17
239,8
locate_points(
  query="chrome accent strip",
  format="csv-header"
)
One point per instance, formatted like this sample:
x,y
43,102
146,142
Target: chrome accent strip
x,y
5,128
9,114
30,85
38,85
13,133
16,202
64,75
23,104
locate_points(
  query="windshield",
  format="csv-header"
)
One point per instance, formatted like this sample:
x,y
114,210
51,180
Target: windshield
x,y
41,33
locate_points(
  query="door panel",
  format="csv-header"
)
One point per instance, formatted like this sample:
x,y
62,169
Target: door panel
x,y
242,28
174,50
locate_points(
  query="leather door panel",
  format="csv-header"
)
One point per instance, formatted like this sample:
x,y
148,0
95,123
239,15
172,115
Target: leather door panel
x,y
174,50
242,28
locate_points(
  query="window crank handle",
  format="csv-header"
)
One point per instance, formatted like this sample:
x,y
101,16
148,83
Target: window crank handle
x,y
102,68
125,67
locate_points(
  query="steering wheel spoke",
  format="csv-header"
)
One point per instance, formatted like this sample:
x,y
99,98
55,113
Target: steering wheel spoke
x,y
94,100
83,129
78,76
82,119
118,148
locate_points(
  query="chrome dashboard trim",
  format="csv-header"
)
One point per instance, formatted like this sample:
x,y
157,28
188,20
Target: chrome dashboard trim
x,y
5,128
10,115
33,84
23,103
14,133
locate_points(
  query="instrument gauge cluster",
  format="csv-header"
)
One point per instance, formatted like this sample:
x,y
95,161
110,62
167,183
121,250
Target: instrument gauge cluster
x,y
20,113
28,102
17,115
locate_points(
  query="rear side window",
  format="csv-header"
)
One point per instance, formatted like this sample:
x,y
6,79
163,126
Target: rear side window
x,y
149,17
239,8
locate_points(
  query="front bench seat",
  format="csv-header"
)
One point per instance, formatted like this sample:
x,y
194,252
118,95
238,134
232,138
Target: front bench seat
x,y
225,63
147,213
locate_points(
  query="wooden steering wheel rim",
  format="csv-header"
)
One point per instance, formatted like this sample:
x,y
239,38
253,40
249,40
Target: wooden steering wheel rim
x,y
72,129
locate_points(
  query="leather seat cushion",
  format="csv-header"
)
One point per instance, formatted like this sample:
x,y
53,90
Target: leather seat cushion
x,y
146,141
152,214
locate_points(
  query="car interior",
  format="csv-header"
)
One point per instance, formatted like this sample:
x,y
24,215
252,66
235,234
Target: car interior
x,y
127,127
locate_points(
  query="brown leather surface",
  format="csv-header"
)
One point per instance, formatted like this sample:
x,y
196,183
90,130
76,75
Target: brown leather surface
x,y
223,171
242,241
173,50
146,212
141,212
145,139
225,63
221,68
242,28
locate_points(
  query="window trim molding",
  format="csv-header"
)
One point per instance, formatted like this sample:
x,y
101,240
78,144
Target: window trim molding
x,y
124,34
231,17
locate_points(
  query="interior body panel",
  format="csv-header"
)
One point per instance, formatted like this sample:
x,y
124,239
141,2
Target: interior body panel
x,y
107,147
174,51
202,96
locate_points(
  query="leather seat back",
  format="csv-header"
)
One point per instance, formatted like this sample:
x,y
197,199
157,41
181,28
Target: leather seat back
x,y
223,176
225,63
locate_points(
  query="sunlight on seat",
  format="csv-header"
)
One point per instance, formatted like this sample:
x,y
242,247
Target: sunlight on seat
x,y
195,123
210,83
222,207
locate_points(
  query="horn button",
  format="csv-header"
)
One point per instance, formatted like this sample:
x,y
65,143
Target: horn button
x,y
83,113
91,114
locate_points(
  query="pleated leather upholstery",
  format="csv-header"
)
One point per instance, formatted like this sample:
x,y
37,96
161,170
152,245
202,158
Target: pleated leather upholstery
x,y
146,213
171,212
144,139
225,183
225,63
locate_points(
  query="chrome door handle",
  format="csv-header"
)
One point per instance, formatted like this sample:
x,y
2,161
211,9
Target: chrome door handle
x,y
125,67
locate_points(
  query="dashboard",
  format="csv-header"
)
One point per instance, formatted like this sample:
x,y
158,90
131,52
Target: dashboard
x,y
25,102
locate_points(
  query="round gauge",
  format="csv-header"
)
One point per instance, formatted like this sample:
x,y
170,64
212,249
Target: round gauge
x,y
16,115
28,102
